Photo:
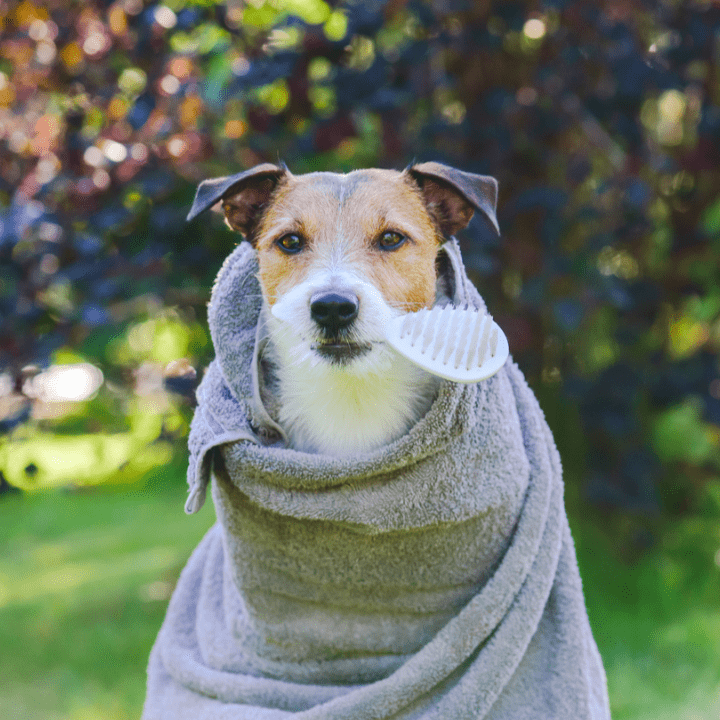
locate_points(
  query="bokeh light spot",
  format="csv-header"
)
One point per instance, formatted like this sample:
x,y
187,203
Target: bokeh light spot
x,y
114,151
181,67
454,112
46,52
169,84
177,146
71,55
534,29
60,383
235,129
336,26
101,179
132,81
139,152
117,20
47,169
240,66
95,43
672,105
94,156
165,17
38,30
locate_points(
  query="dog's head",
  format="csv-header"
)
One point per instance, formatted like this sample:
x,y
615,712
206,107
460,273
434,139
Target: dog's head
x,y
341,254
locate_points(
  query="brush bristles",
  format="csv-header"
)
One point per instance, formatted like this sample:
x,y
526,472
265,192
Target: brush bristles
x,y
465,332
482,350
452,332
459,333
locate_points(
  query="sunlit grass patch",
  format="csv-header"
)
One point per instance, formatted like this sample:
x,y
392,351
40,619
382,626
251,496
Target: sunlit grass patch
x,y
63,576
47,460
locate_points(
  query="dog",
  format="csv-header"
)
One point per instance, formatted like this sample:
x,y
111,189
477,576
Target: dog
x,y
376,573
339,255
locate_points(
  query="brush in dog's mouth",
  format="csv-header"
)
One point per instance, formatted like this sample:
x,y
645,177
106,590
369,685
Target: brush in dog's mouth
x,y
341,353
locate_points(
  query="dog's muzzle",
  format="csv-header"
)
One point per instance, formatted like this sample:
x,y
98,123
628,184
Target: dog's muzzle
x,y
334,313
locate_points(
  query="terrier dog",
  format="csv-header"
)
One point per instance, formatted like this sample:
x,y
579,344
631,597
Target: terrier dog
x,y
434,577
339,255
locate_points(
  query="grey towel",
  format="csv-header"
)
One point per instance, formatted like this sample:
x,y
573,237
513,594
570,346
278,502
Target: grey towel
x,y
432,578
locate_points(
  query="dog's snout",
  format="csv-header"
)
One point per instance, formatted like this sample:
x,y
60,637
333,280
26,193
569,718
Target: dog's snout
x,y
334,311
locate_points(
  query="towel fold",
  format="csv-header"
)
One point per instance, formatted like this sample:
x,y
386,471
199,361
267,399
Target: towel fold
x,y
432,578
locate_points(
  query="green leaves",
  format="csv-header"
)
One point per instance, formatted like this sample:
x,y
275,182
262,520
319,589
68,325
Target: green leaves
x,y
680,435
601,128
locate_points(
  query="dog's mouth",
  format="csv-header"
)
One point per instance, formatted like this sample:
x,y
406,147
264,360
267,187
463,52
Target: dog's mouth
x,y
341,353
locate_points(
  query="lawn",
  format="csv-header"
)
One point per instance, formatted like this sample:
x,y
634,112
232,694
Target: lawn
x,y
84,581
85,576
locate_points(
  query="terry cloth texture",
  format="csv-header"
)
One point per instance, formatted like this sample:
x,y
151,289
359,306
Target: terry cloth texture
x,y
432,578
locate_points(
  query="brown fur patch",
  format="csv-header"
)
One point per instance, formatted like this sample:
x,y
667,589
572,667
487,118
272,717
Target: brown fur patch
x,y
451,211
244,207
340,217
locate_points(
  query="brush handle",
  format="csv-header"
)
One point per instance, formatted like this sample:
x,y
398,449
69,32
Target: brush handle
x,y
464,345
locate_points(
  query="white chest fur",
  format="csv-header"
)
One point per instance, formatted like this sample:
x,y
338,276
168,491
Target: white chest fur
x,y
339,410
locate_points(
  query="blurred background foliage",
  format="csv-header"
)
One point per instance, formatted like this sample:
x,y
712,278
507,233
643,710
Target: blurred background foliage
x,y
600,119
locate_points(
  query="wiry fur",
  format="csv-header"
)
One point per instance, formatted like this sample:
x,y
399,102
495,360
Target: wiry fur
x,y
343,409
350,407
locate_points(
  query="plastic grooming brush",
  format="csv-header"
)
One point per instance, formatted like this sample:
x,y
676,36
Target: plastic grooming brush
x,y
464,345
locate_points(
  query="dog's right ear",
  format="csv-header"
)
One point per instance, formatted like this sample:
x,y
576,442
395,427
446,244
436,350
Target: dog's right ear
x,y
243,195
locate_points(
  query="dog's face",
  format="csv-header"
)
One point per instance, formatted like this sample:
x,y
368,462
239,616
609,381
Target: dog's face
x,y
341,254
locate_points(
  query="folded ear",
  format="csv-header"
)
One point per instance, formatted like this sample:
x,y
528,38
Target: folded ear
x,y
243,195
452,196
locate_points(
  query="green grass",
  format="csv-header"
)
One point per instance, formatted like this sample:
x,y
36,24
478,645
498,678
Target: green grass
x,y
657,620
84,582
85,576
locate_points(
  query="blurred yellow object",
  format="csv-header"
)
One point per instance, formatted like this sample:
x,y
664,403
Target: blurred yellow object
x,y
71,55
235,129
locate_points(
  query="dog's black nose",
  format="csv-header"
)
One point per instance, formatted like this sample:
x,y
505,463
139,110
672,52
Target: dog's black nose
x,y
334,311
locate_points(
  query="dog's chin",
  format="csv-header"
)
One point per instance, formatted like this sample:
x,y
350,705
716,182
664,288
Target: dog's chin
x,y
341,353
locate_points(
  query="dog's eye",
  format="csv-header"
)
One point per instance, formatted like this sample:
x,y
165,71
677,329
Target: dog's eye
x,y
290,243
390,240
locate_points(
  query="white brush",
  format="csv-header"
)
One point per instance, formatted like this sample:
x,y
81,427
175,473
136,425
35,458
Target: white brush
x,y
464,345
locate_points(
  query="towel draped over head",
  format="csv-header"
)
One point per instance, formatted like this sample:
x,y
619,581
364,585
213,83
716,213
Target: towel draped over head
x,y
432,578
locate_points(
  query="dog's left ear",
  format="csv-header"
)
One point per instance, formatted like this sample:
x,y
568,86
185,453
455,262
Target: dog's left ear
x,y
243,195
452,196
